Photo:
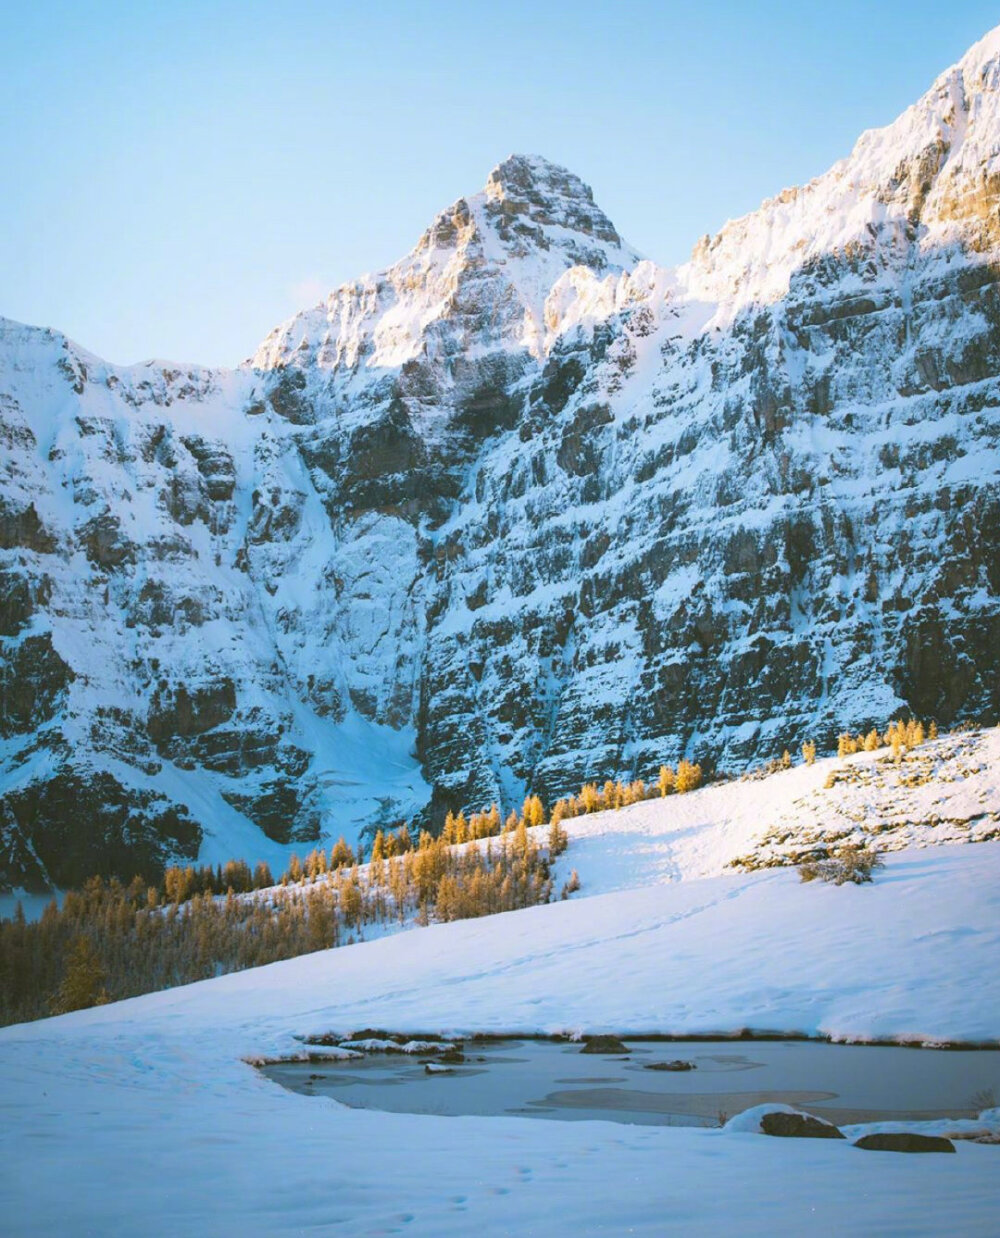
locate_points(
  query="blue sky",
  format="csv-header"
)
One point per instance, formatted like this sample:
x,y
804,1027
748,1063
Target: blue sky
x,y
180,177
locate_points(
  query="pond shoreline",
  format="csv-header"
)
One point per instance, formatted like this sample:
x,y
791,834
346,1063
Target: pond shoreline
x,y
640,1079
743,1035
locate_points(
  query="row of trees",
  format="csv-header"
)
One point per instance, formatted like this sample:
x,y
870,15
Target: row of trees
x,y
110,941
183,883
180,884
478,826
614,795
900,736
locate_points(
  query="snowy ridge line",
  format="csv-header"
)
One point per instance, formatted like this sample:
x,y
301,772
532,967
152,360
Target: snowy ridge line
x,y
750,261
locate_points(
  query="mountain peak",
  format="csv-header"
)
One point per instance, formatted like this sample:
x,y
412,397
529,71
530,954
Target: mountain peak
x,y
981,63
490,259
543,194
520,175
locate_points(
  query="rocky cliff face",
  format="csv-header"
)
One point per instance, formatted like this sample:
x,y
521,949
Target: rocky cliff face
x,y
521,510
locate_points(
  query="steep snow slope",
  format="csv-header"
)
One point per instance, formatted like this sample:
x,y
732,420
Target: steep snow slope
x,y
916,185
145,687
521,510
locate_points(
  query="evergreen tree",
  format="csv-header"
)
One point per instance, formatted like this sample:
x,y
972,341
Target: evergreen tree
x,y
83,982
688,776
341,855
535,814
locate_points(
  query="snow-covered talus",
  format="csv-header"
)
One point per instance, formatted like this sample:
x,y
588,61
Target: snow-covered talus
x,y
520,510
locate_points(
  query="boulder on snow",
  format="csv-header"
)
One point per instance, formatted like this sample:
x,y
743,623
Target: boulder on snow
x,y
799,1126
603,1044
774,1118
904,1141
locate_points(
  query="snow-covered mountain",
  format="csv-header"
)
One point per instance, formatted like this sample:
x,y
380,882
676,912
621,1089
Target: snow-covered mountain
x,y
520,510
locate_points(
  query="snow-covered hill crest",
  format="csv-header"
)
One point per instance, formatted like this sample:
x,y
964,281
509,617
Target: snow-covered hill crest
x,y
522,509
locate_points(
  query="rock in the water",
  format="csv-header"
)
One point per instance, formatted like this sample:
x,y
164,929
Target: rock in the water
x,y
904,1141
677,1065
603,1044
799,1126
451,1057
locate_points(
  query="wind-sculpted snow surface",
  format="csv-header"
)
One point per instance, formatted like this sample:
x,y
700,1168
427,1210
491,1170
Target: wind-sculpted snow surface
x,y
521,510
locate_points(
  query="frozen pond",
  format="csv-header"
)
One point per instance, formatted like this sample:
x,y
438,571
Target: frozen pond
x,y
547,1079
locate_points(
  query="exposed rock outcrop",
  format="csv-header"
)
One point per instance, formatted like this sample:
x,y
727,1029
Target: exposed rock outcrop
x,y
798,1126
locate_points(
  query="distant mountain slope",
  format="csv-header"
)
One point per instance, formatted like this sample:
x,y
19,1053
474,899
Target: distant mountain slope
x,y
520,510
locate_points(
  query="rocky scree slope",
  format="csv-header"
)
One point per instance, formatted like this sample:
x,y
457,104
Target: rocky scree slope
x,y
521,510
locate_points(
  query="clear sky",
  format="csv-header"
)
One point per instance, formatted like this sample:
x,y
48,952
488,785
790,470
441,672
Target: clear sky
x,y
180,176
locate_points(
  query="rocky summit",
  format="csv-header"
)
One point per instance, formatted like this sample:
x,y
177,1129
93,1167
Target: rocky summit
x,y
521,510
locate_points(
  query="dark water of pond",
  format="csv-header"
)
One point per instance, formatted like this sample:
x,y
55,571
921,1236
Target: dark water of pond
x,y
549,1079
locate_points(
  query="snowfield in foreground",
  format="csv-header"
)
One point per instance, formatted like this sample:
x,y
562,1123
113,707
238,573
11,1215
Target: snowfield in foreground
x,y
145,1117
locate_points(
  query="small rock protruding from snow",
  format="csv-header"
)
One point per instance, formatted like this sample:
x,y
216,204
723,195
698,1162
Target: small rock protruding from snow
x,y
904,1141
793,1121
